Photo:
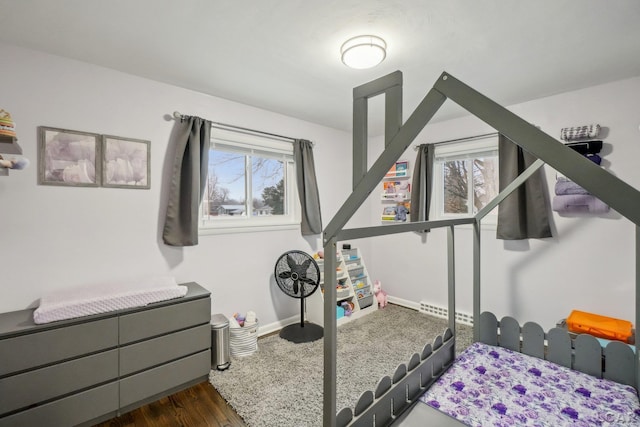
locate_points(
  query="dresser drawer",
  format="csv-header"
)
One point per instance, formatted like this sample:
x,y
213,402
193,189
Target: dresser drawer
x,y
70,411
149,383
163,320
145,354
42,348
22,390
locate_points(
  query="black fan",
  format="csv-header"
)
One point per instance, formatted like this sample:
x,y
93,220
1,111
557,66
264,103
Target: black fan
x,y
298,275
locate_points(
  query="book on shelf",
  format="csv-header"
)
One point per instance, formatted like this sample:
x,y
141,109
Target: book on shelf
x,y
399,170
397,213
396,190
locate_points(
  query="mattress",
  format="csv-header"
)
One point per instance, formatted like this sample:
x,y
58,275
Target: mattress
x,y
102,298
493,386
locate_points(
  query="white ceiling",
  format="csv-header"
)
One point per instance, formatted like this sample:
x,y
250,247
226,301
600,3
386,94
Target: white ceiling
x,y
283,55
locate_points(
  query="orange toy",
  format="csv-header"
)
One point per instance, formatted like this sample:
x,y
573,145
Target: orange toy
x,y
600,326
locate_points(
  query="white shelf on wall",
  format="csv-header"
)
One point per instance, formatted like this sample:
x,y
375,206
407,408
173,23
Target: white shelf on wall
x,y
396,189
354,286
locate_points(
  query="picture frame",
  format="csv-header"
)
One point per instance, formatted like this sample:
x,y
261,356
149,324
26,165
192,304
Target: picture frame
x,y
126,162
68,157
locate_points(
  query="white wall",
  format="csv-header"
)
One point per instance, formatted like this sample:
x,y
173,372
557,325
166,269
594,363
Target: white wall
x,y
57,237
587,265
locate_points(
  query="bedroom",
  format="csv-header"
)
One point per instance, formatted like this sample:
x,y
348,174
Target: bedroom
x,y
56,237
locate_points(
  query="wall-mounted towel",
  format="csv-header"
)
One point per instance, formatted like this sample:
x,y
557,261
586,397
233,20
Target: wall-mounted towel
x,y
586,147
577,203
577,133
565,186
594,158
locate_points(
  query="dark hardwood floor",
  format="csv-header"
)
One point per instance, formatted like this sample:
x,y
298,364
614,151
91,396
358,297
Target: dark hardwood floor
x,y
200,405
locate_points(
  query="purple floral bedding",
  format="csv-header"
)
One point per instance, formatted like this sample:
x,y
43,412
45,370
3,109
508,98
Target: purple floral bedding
x,y
493,386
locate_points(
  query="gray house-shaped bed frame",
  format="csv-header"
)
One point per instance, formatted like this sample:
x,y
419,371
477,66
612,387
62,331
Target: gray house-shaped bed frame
x,y
393,395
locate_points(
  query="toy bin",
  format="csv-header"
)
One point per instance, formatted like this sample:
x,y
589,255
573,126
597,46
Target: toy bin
x,y
356,272
243,341
599,326
350,254
359,284
342,292
365,301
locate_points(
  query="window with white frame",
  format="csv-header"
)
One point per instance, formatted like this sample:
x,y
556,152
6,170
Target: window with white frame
x,y
465,178
250,183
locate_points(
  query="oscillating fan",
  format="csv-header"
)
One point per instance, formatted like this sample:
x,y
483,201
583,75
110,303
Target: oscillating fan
x,y
298,275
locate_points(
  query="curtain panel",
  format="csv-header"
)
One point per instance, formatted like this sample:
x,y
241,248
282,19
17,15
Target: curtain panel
x,y
421,184
524,213
311,221
188,181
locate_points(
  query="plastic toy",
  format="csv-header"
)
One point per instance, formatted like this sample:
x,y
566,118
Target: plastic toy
x,y
239,318
600,326
381,295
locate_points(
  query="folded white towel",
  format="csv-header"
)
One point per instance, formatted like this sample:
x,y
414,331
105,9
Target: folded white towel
x,y
251,318
580,132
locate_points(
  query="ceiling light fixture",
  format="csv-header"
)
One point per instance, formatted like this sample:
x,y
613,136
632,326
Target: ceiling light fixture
x,y
363,52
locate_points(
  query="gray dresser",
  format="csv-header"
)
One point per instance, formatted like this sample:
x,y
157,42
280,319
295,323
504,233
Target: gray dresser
x,y
86,370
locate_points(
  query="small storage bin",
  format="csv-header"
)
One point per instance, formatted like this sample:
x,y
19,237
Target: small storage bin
x,y
350,254
365,302
243,341
356,272
361,293
342,293
359,284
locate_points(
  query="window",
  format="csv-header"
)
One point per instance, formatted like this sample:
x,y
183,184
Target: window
x,y
250,183
465,178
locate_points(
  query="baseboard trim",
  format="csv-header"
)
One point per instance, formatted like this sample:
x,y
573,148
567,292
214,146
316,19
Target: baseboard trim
x,y
276,326
404,302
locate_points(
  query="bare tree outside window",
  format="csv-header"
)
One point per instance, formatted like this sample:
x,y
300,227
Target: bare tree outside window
x,y
485,181
228,182
456,184
456,187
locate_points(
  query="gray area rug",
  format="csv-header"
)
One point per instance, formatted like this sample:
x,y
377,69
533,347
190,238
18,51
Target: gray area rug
x,y
281,384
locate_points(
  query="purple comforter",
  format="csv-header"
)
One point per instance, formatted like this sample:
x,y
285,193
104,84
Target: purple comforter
x,y
493,386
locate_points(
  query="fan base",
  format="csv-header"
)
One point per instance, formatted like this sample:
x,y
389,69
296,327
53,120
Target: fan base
x,y
296,333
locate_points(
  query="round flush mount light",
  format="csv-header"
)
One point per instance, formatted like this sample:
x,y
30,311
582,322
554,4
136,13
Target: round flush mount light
x,y
363,52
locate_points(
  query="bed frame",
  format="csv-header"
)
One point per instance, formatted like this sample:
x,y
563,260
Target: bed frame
x,y
394,395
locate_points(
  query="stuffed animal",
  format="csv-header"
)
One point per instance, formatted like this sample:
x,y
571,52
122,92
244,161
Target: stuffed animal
x,y
348,308
401,212
14,163
381,295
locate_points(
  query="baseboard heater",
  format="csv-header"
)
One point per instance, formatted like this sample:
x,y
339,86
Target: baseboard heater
x,y
443,312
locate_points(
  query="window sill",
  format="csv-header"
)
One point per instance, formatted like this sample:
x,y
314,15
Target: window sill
x,y
253,228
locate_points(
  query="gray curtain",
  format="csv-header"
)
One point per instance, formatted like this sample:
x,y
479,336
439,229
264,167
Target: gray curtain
x,y
188,181
524,213
307,187
422,184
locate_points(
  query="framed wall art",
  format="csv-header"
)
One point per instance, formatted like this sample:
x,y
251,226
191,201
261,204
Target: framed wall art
x,y
125,162
68,157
